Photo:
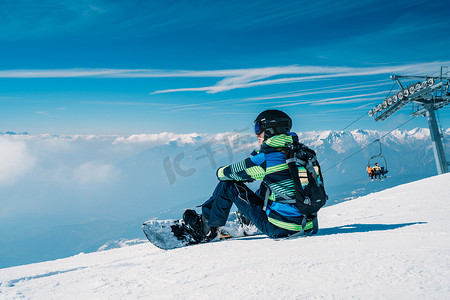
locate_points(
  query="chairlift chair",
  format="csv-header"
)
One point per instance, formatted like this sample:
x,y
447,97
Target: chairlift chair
x,y
380,159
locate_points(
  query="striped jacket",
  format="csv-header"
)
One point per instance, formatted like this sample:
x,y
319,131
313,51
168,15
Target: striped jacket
x,y
269,166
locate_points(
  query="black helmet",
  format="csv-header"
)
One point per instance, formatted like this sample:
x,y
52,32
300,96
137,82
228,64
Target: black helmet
x,y
272,122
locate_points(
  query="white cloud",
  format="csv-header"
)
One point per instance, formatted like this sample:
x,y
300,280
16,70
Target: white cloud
x,y
95,172
232,78
15,160
252,77
338,100
353,87
43,113
160,138
117,73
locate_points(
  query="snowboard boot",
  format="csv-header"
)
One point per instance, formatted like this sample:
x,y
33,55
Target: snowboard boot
x,y
197,226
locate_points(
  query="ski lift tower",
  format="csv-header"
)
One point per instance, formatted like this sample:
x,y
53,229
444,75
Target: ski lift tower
x,y
427,95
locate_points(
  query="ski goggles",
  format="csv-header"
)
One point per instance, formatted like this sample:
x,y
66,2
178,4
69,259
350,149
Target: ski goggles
x,y
258,129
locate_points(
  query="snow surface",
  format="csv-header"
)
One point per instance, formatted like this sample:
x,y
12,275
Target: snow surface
x,y
393,244
74,188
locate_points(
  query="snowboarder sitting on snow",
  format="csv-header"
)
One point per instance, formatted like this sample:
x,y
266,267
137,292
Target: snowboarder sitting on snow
x,y
272,128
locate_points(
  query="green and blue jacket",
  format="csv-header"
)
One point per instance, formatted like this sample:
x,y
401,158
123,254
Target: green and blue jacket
x,y
269,166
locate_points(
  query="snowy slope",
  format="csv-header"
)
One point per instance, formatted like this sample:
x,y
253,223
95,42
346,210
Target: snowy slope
x,y
73,189
392,244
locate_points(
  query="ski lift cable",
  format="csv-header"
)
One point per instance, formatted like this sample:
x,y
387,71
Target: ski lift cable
x,y
364,114
391,89
365,147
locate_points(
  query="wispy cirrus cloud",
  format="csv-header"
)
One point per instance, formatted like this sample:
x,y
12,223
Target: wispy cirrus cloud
x,y
354,87
346,110
338,100
76,72
232,78
254,77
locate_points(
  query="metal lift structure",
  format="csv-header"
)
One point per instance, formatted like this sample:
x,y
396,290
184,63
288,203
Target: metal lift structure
x,y
427,95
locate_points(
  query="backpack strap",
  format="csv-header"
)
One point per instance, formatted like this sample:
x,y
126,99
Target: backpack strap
x,y
285,197
295,160
310,167
294,174
266,198
314,230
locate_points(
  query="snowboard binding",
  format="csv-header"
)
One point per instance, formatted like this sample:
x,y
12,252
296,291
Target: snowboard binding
x,y
197,226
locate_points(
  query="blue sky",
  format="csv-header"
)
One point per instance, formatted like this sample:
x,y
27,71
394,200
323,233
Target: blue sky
x,y
124,67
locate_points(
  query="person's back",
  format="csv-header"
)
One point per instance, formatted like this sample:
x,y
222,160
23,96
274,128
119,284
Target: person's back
x,y
274,218
279,180
269,165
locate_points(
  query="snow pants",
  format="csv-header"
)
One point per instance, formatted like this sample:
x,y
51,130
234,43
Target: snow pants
x,y
217,208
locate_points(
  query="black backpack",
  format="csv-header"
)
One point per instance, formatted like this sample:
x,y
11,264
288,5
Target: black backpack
x,y
303,165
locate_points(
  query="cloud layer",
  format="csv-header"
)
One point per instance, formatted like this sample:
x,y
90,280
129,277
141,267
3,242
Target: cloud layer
x,y
15,161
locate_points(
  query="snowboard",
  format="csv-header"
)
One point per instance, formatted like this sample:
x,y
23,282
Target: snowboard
x,y
172,234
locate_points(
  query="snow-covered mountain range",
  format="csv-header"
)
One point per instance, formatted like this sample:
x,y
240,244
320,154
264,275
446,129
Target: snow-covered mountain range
x,y
392,244
65,194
